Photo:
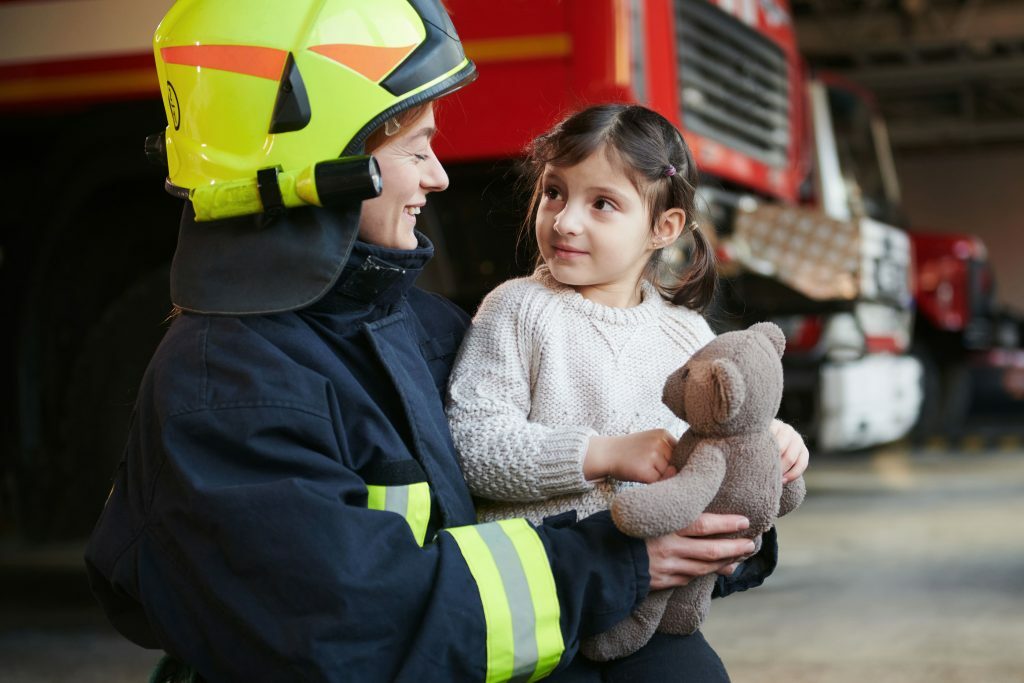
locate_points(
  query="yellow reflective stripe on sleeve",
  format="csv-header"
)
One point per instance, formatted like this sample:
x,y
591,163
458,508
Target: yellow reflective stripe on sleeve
x,y
518,595
411,501
546,608
376,497
418,512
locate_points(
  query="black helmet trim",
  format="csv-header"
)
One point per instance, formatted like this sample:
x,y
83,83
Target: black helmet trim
x,y
464,76
291,111
432,12
440,52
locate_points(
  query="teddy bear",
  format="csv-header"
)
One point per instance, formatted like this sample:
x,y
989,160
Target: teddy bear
x,y
727,462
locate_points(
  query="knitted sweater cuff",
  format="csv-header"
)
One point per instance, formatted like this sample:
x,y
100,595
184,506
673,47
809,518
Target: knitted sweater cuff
x,y
560,469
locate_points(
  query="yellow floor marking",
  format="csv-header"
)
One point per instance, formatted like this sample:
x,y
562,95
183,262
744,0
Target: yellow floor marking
x,y
892,464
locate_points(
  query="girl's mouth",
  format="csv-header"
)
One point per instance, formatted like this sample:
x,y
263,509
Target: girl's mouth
x,y
564,251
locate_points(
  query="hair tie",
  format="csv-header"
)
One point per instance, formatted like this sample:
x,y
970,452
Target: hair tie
x,y
670,171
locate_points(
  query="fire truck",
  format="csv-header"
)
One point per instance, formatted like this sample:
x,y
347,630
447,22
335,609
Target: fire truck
x,y
969,347
89,233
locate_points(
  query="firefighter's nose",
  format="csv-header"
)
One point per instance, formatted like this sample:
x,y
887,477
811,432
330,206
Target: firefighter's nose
x,y
434,178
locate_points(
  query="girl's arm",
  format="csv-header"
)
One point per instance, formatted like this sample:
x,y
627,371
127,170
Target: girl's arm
x,y
504,455
640,456
793,450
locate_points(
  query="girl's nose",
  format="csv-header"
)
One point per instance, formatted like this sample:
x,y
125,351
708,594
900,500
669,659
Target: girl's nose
x,y
567,221
434,178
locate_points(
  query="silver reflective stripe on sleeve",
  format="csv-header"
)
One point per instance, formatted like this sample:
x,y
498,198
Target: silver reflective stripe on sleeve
x,y
518,597
411,501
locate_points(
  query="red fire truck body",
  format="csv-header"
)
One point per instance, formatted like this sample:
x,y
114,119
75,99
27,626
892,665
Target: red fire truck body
x,y
539,59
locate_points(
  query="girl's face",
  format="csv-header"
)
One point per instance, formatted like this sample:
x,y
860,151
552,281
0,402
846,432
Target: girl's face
x,y
593,230
409,171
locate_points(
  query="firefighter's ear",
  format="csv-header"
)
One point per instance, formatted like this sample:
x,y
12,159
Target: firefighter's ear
x,y
668,228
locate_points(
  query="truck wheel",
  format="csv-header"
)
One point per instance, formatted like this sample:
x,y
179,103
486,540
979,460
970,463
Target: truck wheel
x,y
957,396
929,419
99,401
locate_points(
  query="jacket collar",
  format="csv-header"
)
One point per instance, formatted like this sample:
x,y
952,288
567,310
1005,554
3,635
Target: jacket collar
x,y
378,275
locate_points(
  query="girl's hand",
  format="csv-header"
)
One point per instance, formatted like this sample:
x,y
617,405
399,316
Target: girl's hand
x,y
793,450
641,456
676,559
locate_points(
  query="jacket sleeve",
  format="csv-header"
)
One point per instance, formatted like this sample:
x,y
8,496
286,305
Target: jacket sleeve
x,y
752,572
256,558
504,455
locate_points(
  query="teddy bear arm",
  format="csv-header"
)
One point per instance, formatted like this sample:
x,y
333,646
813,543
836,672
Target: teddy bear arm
x,y
673,504
792,495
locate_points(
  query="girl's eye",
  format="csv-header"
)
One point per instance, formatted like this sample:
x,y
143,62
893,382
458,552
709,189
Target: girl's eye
x,y
551,193
604,205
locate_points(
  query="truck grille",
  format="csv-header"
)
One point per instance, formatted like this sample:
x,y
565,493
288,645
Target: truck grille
x,y
734,83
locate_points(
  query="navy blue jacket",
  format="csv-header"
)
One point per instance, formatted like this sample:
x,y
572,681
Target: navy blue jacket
x,y
237,535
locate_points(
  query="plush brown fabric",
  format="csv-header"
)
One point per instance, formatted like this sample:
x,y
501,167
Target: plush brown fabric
x,y
728,462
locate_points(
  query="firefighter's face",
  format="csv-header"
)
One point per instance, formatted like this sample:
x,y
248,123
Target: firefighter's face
x,y
593,229
409,171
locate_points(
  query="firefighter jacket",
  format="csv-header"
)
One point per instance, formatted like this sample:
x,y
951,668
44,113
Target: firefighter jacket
x,y
290,506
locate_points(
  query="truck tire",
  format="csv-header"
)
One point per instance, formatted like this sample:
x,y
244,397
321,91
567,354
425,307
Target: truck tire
x,y
957,397
929,418
947,389
99,401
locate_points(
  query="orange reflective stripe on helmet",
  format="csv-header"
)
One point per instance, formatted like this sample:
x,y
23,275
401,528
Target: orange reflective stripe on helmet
x,y
369,60
252,60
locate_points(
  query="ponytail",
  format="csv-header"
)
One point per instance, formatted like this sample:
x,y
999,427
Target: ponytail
x,y
696,289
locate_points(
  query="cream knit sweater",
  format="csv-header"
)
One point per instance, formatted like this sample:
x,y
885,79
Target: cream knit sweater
x,y
541,371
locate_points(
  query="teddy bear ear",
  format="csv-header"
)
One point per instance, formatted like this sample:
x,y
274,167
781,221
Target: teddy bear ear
x,y
774,333
728,389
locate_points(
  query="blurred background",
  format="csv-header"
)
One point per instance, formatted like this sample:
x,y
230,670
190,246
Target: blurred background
x,y
863,179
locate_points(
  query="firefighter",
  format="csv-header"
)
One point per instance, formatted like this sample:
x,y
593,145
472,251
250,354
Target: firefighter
x,y
289,506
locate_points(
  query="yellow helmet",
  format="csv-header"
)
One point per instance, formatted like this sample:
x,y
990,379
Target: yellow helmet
x,y
268,104
280,86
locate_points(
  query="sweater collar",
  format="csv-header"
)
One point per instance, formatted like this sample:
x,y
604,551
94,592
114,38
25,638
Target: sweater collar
x,y
379,275
648,308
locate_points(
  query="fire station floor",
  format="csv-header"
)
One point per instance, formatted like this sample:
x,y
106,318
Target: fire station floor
x,y
904,565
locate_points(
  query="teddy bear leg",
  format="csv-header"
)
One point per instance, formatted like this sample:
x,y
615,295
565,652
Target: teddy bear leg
x,y
688,607
793,494
630,634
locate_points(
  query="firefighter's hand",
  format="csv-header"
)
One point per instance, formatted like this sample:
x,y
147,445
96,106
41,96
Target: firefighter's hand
x,y
641,456
792,449
676,559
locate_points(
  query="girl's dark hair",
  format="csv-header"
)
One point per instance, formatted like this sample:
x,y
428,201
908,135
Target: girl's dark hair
x,y
656,160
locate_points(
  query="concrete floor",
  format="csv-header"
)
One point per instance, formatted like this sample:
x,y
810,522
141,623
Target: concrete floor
x,y
901,567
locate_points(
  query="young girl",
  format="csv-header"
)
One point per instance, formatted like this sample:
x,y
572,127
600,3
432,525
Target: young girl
x,y
555,399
